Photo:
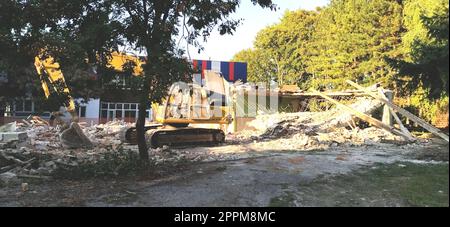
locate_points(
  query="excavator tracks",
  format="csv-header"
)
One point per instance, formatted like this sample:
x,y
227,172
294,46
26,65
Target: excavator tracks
x,y
176,137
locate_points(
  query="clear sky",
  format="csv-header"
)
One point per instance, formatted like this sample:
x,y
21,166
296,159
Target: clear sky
x,y
222,48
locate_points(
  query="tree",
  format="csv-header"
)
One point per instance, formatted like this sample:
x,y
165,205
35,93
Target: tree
x,y
260,68
281,51
401,44
151,25
352,40
423,68
425,46
74,31
71,32
287,45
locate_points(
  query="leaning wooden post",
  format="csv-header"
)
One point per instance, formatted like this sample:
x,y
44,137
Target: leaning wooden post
x,y
363,116
387,116
397,119
403,112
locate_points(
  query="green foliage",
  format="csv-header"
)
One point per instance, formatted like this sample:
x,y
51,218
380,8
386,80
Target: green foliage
x,y
281,50
425,107
260,68
322,48
71,32
403,45
286,45
425,46
351,40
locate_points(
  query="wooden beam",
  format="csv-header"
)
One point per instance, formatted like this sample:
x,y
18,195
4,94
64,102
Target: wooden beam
x,y
396,118
404,112
363,116
387,113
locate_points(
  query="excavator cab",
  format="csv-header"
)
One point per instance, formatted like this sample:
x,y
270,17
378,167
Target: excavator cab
x,y
195,104
186,105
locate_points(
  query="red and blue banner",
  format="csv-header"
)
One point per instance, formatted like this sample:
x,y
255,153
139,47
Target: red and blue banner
x,y
231,71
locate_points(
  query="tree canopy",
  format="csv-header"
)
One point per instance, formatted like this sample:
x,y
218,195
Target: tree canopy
x,y
401,44
344,40
425,45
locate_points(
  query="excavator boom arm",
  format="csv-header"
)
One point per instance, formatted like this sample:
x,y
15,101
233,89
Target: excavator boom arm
x,y
52,80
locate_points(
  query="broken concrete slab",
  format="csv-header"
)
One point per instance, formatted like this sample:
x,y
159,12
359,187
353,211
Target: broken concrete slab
x,y
73,137
10,127
6,137
8,178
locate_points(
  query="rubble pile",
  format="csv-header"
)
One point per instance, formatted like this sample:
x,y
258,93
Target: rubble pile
x,y
33,149
278,125
328,128
340,137
41,153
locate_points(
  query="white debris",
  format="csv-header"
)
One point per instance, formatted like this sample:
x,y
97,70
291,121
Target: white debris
x,y
42,153
8,178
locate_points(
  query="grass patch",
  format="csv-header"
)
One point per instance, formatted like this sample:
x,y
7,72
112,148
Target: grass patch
x,y
416,184
399,184
285,200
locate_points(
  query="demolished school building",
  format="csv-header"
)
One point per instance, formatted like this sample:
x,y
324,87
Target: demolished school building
x,y
39,153
123,106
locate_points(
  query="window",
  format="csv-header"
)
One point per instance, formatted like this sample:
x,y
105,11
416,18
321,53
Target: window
x,y
23,105
119,114
81,111
125,111
28,106
104,113
130,114
18,106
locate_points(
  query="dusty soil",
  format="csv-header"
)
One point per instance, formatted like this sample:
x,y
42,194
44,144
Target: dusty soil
x,y
342,176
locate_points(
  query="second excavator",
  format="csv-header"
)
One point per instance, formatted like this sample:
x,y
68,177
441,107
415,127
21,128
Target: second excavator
x,y
55,87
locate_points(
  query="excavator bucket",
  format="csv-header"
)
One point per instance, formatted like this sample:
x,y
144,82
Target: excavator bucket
x,y
73,137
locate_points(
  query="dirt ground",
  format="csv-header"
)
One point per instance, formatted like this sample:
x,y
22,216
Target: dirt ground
x,y
360,176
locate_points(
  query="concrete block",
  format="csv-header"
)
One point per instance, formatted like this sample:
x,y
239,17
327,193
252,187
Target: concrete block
x,y
13,136
10,127
8,178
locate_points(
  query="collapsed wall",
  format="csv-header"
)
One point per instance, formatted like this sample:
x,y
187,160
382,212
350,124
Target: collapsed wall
x,y
336,122
42,152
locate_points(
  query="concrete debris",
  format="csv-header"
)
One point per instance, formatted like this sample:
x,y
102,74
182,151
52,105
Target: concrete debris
x,y
317,130
8,178
343,118
10,127
9,135
6,137
310,123
73,137
24,187
41,154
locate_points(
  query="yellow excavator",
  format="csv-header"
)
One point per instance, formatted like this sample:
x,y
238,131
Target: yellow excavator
x,y
186,104
54,85
190,104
